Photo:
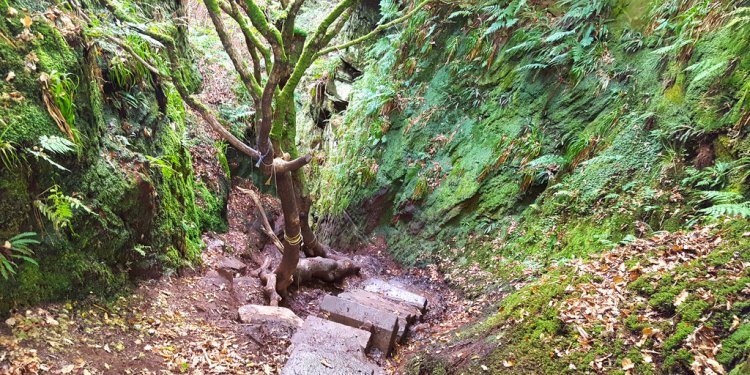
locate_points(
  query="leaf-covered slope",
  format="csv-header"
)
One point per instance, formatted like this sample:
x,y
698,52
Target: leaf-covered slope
x,y
518,135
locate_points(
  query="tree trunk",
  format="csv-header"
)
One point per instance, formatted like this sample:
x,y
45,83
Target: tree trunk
x,y
292,235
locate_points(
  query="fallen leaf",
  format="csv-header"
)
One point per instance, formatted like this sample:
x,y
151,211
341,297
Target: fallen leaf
x,y
30,62
508,363
26,21
681,298
735,323
647,357
11,75
627,364
67,369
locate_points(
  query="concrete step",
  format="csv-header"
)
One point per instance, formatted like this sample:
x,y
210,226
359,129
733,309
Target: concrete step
x,y
407,314
396,293
329,348
382,324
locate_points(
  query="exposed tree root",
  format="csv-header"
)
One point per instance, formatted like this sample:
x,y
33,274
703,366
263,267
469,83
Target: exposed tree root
x,y
268,277
325,269
331,268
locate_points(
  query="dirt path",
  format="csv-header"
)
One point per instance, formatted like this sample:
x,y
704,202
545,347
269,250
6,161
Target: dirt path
x,y
188,323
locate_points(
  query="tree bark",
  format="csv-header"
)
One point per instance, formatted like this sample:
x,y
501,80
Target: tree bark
x,y
292,236
325,269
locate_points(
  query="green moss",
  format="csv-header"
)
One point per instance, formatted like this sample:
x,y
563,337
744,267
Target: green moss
x,y
678,362
692,310
213,209
15,200
642,285
427,364
682,331
663,302
675,94
736,347
134,206
27,120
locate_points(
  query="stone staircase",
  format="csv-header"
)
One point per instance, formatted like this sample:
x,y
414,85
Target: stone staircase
x,y
358,322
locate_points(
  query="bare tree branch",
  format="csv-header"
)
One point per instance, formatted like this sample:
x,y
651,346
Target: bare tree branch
x,y
132,53
253,86
281,165
312,46
264,219
374,32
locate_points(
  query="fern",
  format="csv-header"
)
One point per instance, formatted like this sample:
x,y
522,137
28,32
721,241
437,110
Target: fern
x,y
15,249
59,208
55,144
8,151
521,47
460,14
728,210
705,71
532,66
721,197
556,36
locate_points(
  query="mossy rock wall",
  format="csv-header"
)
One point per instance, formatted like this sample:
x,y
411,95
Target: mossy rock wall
x,y
517,136
131,167
472,132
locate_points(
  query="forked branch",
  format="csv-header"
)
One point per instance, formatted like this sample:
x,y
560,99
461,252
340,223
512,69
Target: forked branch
x,y
374,32
264,219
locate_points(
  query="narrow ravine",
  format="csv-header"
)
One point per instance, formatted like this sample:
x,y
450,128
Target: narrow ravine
x,y
189,323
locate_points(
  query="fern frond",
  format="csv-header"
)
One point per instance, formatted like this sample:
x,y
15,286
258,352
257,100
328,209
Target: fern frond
x,y
721,197
55,144
532,66
730,209
17,247
554,37
45,157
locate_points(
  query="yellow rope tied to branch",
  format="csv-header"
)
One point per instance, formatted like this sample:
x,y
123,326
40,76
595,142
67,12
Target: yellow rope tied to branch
x,y
296,240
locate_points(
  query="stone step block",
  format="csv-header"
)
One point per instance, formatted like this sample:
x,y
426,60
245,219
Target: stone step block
x,y
329,348
382,324
407,314
396,293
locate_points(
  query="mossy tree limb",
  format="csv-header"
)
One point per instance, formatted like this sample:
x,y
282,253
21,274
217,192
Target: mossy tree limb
x,y
286,55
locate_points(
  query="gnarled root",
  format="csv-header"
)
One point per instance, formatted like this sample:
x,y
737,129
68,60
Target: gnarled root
x,y
268,277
